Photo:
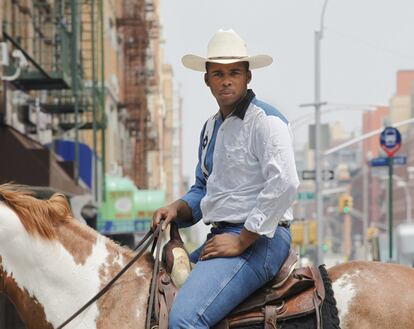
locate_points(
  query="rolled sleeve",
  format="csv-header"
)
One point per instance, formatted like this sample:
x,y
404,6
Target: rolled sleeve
x,y
272,145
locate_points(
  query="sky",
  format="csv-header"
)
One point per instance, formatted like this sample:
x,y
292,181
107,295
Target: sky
x,y
365,43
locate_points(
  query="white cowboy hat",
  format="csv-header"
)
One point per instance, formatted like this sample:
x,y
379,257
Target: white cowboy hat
x,y
226,47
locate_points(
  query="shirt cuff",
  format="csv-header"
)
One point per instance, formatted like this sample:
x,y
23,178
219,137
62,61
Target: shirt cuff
x,y
258,222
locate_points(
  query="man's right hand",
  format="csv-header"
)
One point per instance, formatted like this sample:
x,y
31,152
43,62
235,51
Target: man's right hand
x,y
168,214
178,208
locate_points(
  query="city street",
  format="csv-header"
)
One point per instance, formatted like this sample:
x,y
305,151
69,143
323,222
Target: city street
x,y
276,135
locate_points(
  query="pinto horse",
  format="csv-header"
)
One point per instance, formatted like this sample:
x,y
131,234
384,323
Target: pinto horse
x,y
50,265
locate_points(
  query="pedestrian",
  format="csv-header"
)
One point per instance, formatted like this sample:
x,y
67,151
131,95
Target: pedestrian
x,y
246,181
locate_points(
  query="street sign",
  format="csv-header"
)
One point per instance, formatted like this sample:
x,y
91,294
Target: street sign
x,y
311,175
305,196
390,140
398,160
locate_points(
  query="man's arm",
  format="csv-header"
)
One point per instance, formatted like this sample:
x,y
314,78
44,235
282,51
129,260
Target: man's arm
x,y
272,145
185,211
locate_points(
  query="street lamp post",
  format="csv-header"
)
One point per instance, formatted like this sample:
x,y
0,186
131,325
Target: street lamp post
x,y
318,169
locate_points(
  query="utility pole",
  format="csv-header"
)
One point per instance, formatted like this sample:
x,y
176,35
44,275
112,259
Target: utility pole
x,y
318,165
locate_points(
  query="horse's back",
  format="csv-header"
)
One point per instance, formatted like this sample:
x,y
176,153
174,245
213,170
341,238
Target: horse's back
x,y
374,295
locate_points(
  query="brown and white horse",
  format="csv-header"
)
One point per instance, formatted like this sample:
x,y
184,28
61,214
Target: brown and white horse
x,y
50,265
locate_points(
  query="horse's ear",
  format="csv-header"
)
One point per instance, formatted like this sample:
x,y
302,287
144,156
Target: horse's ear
x,y
59,206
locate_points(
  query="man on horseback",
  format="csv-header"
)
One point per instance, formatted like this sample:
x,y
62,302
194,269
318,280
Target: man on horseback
x,y
246,181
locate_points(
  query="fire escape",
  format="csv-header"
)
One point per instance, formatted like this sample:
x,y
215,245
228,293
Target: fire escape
x,y
62,41
133,26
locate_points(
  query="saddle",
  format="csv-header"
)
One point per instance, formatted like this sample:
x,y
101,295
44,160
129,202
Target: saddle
x,y
293,293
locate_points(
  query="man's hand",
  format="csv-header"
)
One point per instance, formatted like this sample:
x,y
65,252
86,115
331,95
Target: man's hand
x,y
228,245
168,214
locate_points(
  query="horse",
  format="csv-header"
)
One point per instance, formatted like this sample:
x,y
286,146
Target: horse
x,y
51,264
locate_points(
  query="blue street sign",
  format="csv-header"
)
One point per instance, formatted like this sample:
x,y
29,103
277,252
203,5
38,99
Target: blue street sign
x,y
379,162
383,161
390,140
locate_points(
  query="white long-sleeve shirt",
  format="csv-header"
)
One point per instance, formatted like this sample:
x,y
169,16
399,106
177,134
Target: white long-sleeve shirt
x,y
252,172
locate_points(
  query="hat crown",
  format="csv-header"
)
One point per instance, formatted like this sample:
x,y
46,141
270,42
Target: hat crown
x,y
226,44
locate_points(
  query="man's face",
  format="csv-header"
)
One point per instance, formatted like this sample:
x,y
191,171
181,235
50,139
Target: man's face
x,y
227,82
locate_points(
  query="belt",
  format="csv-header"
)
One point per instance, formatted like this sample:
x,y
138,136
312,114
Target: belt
x,y
285,224
225,224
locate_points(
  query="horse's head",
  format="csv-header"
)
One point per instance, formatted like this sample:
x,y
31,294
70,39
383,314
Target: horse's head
x,y
54,263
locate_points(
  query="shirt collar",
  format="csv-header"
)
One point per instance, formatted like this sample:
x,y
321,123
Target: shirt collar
x,y
244,103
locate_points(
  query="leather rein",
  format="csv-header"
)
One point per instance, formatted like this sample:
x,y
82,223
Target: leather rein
x,y
150,237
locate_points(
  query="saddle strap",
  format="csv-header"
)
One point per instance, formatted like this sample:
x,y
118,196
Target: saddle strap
x,y
169,292
270,317
164,299
163,315
320,288
317,310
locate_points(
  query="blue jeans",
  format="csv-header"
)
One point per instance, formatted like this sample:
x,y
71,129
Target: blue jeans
x,y
218,285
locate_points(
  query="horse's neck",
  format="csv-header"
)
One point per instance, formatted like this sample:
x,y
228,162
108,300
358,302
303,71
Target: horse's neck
x,y
55,278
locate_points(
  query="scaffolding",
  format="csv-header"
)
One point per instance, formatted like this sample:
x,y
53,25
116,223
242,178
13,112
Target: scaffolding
x,y
133,26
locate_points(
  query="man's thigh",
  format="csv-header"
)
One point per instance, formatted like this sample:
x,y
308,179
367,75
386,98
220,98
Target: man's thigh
x,y
212,290
218,285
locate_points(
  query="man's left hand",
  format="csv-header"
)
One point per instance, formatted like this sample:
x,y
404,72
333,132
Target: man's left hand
x,y
222,245
228,245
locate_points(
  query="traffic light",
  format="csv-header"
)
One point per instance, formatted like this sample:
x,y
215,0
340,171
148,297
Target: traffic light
x,y
345,204
346,209
297,233
312,232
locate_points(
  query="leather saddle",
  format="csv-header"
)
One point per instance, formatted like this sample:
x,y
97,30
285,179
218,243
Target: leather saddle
x,y
293,293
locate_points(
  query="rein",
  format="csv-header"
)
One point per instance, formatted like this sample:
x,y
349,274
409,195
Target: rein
x,y
150,236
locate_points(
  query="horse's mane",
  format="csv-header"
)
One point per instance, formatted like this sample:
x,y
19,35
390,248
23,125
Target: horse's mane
x,y
37,216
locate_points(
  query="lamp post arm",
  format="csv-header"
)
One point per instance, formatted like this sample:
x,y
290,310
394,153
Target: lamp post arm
x,y
322,18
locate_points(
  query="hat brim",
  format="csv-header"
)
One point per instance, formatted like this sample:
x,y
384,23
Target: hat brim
x,y
198,63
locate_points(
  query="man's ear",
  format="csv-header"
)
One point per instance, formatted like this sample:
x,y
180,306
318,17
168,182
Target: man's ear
x,y
249,76
206,79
